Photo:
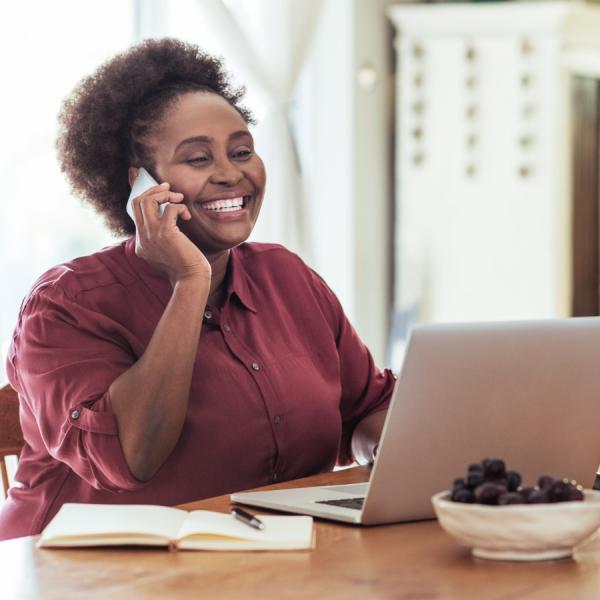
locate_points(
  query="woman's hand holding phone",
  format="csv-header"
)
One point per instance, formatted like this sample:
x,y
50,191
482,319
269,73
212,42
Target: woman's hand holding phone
x,y
150,398
159,240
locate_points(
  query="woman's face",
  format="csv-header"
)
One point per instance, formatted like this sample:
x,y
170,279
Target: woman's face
x,y
204,150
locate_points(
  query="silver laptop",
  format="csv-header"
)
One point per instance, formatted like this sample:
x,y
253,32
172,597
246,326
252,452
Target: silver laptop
x,y
527,392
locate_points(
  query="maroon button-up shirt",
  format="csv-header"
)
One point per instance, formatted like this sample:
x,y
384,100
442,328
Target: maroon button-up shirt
x,y
281,380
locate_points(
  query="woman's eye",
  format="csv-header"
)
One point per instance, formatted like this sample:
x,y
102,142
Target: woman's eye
x,y
197,160
243,153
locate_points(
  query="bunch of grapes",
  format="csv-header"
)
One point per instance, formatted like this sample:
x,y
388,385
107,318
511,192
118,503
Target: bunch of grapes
x,y
489,482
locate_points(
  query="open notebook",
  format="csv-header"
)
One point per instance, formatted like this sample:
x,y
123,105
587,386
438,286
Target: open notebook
x,y
145,525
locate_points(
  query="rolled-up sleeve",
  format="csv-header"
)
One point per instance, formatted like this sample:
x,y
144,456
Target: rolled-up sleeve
x,y
365,389
62,361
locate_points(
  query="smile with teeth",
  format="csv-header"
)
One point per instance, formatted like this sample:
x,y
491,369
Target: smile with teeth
x,y
229,205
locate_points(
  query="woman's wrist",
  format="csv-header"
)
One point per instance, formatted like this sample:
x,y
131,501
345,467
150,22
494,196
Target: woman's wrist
x,y
194,283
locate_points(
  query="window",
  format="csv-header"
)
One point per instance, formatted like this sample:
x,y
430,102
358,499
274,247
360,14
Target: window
x,y
45,49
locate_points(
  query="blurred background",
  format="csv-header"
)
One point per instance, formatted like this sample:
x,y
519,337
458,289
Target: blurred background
x,y
433,162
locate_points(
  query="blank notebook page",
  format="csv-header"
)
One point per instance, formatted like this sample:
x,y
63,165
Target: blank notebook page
x,y
100,519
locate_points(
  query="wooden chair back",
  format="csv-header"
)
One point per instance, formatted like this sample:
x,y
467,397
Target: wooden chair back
x,y
11,436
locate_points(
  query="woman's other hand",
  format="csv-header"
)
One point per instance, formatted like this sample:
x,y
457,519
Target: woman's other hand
x,y
160,242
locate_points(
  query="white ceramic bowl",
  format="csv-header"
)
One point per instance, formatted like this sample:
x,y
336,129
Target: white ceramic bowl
x,y
520,531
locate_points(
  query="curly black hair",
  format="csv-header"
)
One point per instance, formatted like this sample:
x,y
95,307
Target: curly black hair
x,y
105,124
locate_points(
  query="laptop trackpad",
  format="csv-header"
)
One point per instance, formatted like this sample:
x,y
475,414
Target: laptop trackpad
x,y
356,489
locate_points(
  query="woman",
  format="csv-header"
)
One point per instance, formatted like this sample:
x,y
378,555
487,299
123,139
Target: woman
x,y
182,363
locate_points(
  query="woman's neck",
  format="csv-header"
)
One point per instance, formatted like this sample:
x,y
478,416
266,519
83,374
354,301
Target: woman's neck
x,y
218,263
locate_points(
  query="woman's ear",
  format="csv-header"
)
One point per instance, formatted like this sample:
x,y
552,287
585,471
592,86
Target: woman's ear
x,y
132,174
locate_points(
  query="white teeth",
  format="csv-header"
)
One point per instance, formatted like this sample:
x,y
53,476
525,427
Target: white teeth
x,y
228,205
228,209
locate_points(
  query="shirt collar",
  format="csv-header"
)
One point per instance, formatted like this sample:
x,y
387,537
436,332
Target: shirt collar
x,y
239,281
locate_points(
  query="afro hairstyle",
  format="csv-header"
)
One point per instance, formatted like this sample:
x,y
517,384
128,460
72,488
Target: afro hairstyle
x,y
105,124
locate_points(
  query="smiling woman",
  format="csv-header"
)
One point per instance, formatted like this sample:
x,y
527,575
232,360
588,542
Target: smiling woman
x,y
184,362
213,163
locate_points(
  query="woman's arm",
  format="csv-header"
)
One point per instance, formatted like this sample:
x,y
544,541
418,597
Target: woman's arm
x,y
366,437
150,399
365,390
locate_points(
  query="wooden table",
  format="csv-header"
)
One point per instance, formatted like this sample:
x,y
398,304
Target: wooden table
x,y
415,561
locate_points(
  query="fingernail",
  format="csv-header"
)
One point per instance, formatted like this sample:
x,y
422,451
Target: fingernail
x,y
165,184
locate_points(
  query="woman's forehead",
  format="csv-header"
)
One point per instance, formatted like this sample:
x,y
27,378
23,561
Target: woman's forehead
x,y
203,114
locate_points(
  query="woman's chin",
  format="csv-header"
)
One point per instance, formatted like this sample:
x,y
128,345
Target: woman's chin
x,y
218,238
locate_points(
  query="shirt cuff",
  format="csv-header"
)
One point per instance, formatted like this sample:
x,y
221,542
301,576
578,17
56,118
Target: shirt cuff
x,y
99,453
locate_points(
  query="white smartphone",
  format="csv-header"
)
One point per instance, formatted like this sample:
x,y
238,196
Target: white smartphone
x,y
144,181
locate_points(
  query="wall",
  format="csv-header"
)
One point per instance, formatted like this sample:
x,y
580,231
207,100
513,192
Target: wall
x,y
346,142
373,175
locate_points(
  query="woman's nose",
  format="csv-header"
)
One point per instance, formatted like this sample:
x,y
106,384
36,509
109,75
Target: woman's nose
x,y
226,172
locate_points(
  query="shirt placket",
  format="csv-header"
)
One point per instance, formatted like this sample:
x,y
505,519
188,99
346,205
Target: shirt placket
x,y
258,371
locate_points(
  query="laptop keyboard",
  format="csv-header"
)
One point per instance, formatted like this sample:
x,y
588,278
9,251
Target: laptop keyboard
x,y
356,503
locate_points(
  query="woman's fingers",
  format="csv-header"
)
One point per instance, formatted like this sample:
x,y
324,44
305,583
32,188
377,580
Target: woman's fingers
x,y
149,206
160,242
173,211
174,198
137,201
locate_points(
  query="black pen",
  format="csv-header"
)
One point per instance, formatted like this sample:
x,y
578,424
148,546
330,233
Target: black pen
x,y
246,517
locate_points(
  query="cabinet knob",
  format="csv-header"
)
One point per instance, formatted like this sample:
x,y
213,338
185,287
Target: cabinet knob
x,y
526,80
524,171
418,51
526,47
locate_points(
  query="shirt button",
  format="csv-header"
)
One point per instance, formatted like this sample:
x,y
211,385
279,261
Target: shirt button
x,y
277,419
256,366
207,314
226,328
75,414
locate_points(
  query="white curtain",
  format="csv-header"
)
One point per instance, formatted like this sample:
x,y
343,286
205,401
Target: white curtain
x,y
270,39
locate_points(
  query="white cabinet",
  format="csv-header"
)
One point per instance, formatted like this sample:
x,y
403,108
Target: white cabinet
x,y
482,159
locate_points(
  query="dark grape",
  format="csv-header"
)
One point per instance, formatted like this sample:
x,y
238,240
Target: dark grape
x,y
463,495
489,482
575,493
510,498
488,493
526,492
538,497
475,479
545,481
559,491
459,482
513,481
502,481
495,469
